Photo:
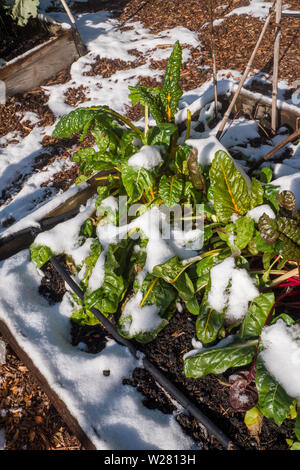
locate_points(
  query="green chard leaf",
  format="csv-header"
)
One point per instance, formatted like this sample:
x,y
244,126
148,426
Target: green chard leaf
x,y
171,92
171,190
266,175
155,292
245,230
230,190
273,400
173,272
297,427
161,134
256,193
75,121
148,97
136,181
256,316
209,322
218,359
40,254
107,297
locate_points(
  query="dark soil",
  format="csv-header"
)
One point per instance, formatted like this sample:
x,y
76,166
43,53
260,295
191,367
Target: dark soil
x,y
15,40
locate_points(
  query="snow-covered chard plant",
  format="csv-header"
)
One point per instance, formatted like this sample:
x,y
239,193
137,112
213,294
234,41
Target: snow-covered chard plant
x,y
20,10
242,232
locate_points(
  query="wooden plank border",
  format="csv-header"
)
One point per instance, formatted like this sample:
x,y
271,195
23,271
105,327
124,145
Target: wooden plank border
x,y
259,107
31,69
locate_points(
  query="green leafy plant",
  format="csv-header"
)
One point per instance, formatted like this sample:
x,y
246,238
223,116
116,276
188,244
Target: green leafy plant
x,y
21,10
151,168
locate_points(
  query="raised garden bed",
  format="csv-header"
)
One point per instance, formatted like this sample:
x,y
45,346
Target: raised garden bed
x,y
54,49
181,329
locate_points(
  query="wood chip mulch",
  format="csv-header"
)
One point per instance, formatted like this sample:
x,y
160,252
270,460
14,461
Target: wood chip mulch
x,y
29,419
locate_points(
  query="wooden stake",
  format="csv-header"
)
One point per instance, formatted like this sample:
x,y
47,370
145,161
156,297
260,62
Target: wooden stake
x,y
245,75
276,65
81,49
213,56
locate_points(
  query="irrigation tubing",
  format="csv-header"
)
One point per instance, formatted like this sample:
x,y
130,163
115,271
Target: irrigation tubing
x,y
216,432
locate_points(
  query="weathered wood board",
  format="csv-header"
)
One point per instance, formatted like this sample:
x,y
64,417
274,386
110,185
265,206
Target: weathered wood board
x,y
39,64
259,107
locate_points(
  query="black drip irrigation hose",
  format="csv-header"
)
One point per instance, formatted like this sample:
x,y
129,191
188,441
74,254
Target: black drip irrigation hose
x,y
154,371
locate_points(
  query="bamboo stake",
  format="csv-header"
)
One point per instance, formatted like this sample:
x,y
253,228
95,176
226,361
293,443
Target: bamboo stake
x,y
276,65
278,147
81,49
245,75
212,35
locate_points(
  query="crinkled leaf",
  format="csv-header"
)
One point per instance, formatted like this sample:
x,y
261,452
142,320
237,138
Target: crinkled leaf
x,y
273,400
218,359
170,190
286,200
230,190
290,228
136,181
161,134
268,229
256,316
74,122
148,97
171,92
173,272
256,193
244,231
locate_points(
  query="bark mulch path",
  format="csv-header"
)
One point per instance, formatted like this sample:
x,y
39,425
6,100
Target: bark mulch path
x,y
26,414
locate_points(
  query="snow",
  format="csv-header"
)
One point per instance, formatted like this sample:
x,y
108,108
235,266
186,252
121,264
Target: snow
x,y
63,238
2,352
281,355
241,291
148,157
110,413
258,211
140,319
2,439
257,8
